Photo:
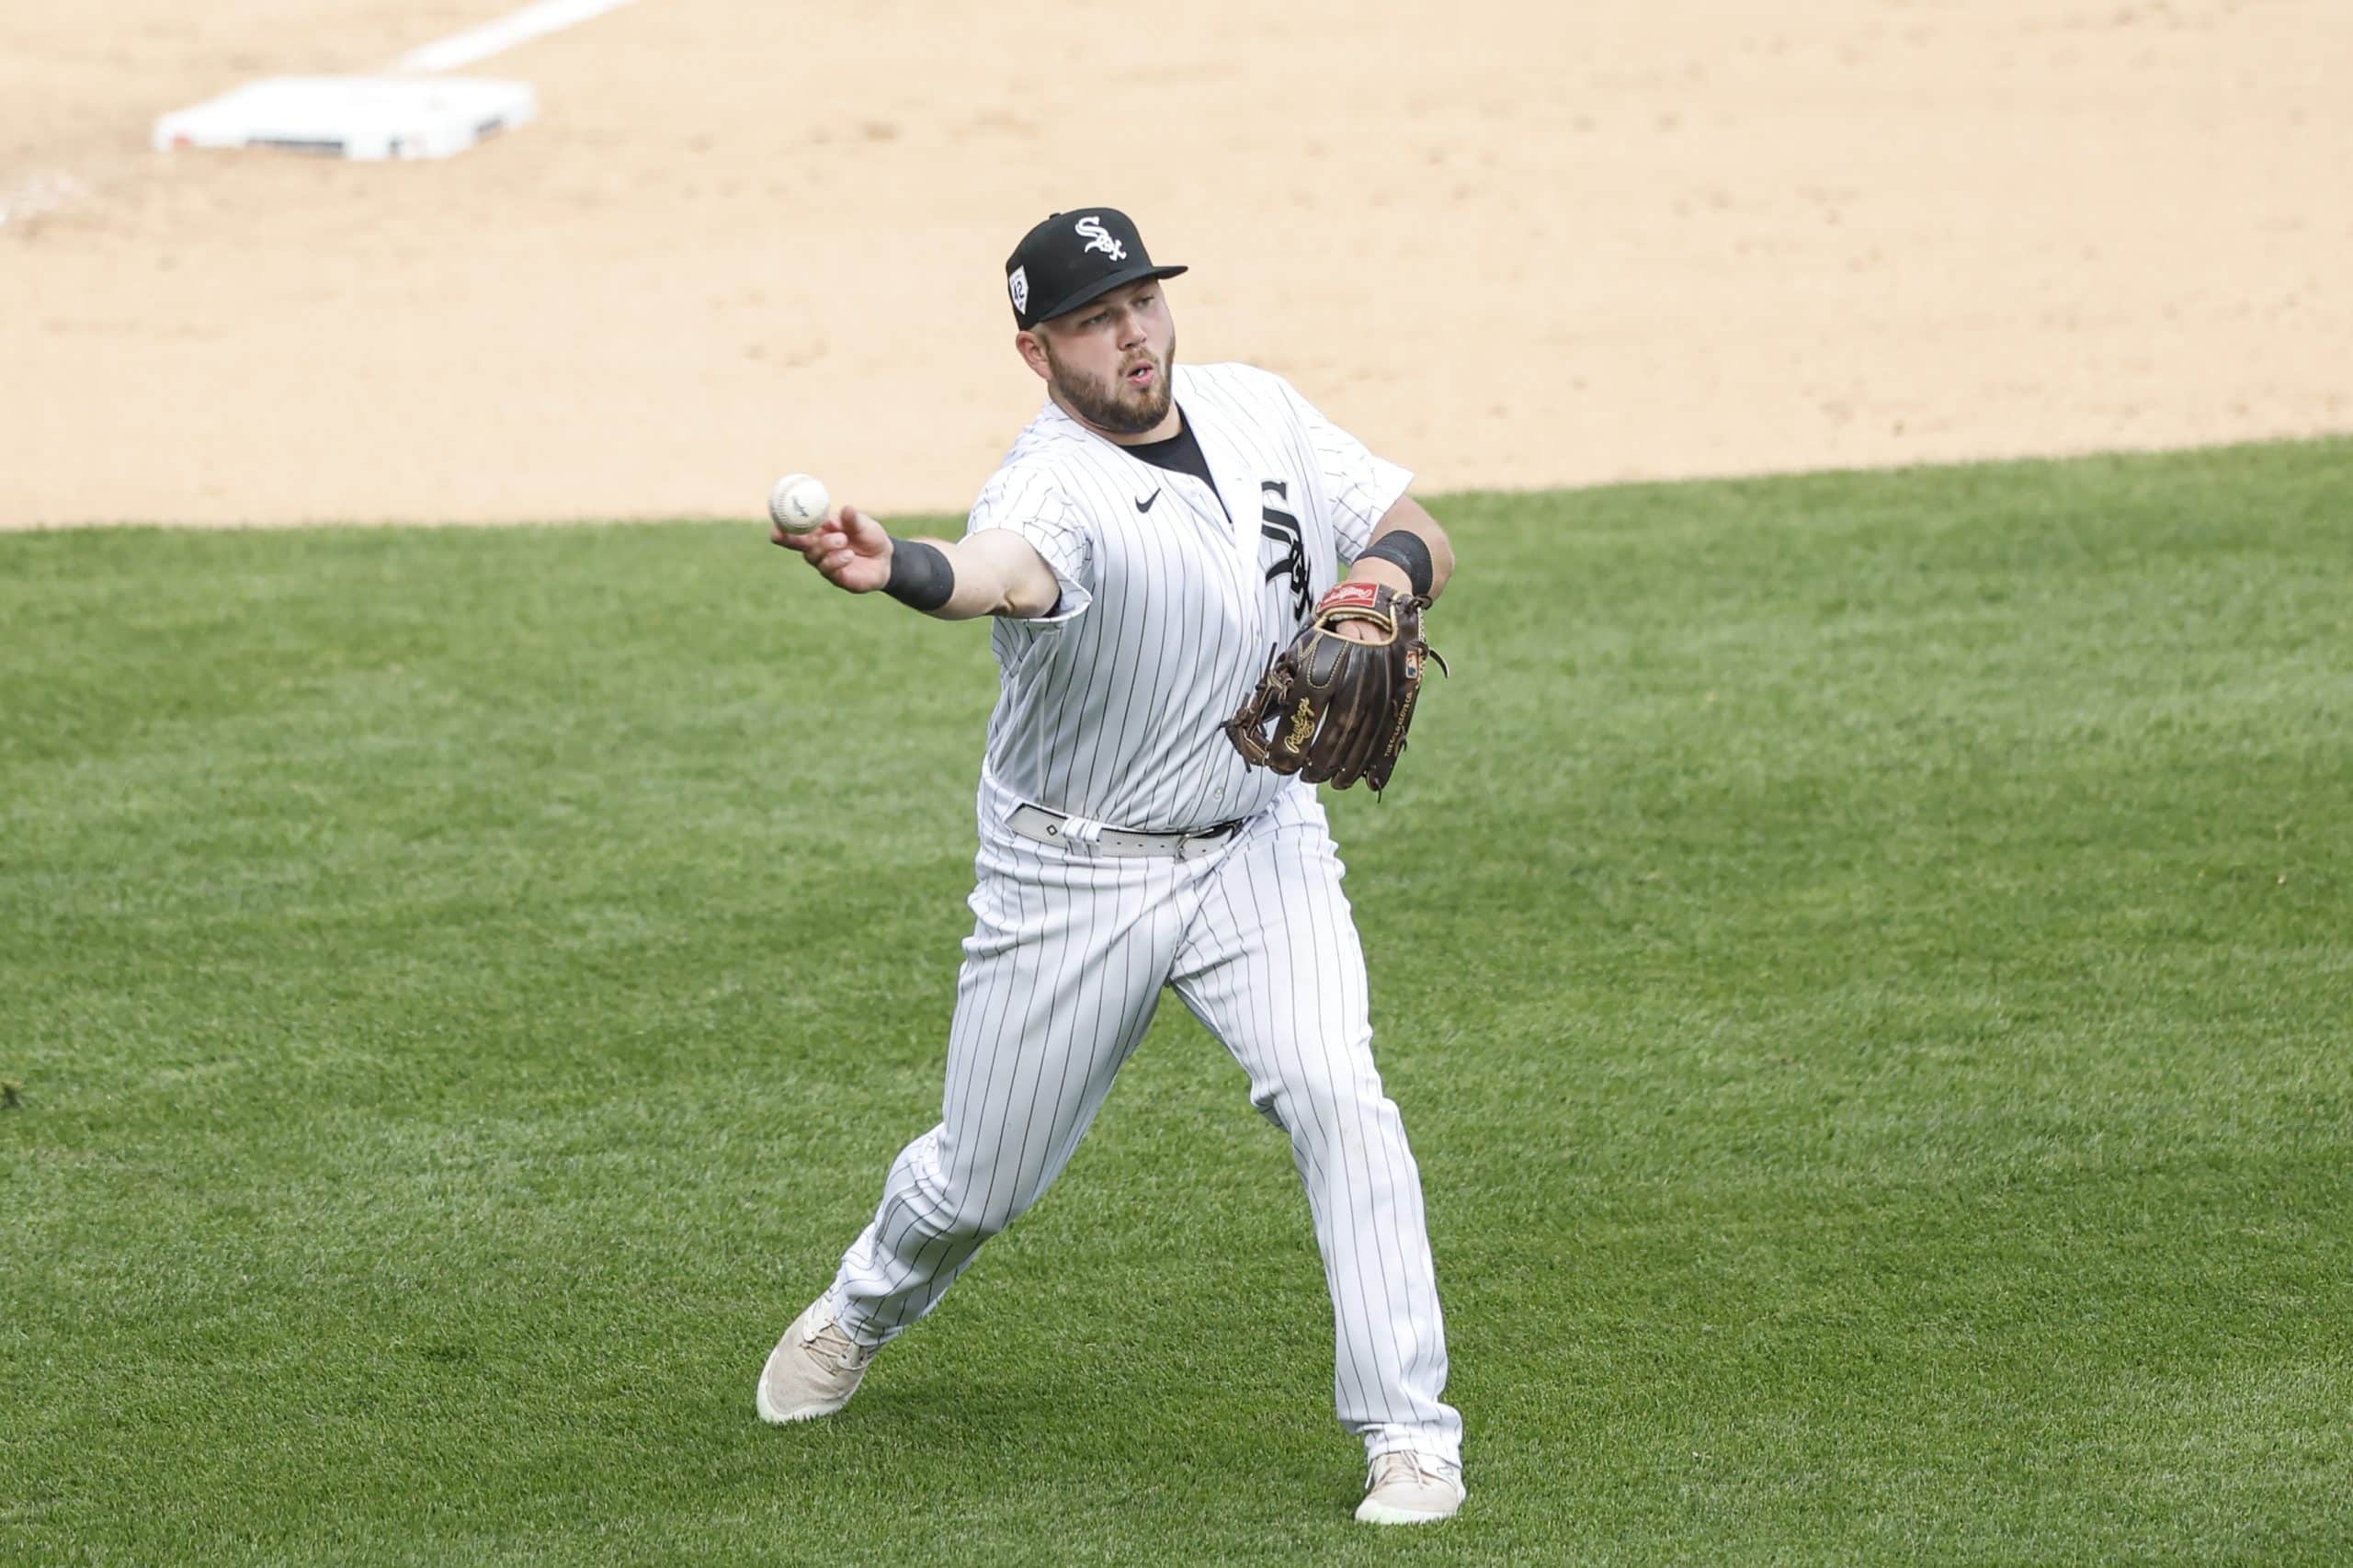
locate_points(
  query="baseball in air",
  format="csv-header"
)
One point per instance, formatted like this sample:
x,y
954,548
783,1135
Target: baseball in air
x,y
798,502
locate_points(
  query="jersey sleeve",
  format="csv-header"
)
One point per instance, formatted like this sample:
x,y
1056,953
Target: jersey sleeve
x,y
1359,486
1030,504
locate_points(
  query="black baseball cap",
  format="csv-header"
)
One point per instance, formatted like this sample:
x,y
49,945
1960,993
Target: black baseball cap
x,y
1073,257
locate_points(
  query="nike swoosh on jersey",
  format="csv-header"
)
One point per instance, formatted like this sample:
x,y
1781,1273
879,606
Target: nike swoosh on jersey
x,y
1145,504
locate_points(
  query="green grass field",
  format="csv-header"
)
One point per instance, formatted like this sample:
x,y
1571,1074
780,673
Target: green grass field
x,y
1867,962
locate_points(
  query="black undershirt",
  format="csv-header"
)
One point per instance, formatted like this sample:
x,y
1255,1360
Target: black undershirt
x,y
1178,454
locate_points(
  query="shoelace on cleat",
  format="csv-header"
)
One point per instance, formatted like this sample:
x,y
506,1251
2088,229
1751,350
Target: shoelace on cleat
x,y
1423,1472
830,1343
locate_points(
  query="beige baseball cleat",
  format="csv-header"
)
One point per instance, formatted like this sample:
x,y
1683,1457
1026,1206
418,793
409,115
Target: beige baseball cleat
x,y
813,1370
1407,1488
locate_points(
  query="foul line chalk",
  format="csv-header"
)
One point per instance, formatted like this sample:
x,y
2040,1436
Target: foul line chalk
x,y
494,37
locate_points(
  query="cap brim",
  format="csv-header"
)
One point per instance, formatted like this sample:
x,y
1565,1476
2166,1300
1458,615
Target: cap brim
x,y
1101,286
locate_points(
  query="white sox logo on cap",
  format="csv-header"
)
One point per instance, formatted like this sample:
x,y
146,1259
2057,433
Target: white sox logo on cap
x,y
1073,256
1096,239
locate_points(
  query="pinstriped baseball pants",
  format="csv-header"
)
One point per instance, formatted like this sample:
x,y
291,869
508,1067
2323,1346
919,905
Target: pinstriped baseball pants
x,y
1061,974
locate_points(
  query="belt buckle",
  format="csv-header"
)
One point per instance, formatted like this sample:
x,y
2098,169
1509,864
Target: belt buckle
x,y
1207,839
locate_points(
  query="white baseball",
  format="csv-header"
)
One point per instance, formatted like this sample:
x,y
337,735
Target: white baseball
x,y
798,502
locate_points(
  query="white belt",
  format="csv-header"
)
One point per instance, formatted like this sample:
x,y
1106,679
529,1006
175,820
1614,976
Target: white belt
x,y
1086,833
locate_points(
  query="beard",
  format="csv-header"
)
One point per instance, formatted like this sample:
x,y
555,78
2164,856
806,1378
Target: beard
x,y
1112,404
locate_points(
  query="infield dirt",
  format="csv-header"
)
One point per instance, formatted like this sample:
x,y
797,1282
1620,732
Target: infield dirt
x,y
1509,243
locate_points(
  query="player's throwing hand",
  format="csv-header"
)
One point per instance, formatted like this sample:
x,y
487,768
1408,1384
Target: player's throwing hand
x,y
850,551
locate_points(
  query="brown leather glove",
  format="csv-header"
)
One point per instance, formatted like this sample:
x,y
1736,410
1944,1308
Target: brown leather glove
x,y
1339,707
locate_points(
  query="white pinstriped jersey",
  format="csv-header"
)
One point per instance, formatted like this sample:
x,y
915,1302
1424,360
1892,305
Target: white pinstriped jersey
x,y
1173,596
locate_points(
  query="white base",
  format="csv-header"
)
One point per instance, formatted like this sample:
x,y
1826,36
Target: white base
x,y
354,116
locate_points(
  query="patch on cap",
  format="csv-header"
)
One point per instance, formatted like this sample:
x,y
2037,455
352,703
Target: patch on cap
x,y
1019,285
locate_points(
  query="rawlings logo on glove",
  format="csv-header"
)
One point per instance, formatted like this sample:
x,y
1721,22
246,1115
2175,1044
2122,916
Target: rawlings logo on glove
x,y
1342,706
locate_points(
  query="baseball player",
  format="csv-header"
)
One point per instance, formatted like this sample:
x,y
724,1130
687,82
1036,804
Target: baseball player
x,y
1155,534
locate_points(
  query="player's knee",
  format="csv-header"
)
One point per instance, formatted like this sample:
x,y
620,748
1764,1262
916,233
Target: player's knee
x,y
1312,1097
1266,1099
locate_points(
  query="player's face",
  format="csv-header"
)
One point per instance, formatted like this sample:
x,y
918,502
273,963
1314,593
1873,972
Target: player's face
x,y
1109,361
